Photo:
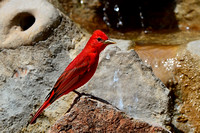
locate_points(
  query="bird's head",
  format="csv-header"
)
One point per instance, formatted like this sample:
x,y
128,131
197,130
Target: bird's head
x,y
99,40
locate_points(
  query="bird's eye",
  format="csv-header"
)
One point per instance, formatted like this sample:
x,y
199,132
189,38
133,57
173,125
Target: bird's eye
x,y
99,39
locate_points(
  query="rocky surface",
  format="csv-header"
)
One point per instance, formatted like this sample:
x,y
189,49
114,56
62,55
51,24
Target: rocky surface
x,y
93,115
125,82
185,88
28,72
40,43
25,22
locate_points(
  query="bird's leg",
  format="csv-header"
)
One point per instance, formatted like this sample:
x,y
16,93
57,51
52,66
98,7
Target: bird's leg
x,y
88,95
82,94
78,93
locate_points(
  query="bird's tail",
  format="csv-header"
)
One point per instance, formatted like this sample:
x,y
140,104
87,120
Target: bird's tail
x,y
45,105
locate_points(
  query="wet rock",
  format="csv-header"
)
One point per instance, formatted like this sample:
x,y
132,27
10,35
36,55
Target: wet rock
x,y
90,115
29,72
124,81
25,22
185,87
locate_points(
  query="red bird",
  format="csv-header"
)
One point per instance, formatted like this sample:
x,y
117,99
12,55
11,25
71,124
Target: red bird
x,y
79,71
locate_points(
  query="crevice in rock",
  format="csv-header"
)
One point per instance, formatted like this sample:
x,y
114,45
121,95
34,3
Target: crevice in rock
x,y
171,112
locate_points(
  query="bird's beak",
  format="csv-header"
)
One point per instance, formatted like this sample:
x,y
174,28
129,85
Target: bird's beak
x,y
109,42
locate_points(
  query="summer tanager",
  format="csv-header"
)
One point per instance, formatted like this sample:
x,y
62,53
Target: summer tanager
x,y
79,71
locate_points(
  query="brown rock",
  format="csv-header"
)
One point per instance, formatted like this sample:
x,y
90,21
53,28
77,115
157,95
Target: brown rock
x,y
90,115
186,86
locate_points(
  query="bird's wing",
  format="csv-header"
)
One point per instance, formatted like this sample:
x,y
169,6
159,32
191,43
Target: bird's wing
x,y
68,78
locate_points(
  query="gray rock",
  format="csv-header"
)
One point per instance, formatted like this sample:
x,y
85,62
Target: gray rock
x,y
28,73
124,81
